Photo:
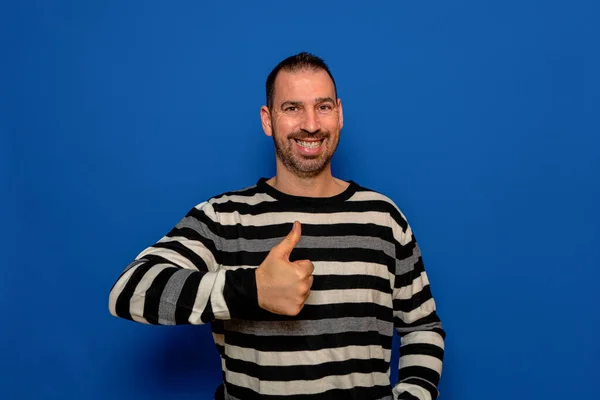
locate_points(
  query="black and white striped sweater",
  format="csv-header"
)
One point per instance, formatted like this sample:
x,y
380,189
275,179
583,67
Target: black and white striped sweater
x,y
369,279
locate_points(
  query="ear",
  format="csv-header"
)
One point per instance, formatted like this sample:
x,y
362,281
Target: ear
x,y
340,113
265,118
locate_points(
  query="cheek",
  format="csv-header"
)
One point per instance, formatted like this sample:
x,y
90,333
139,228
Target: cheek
x,y
331,124
285,126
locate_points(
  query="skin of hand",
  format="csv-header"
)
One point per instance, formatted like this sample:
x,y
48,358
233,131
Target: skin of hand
x,y
283,286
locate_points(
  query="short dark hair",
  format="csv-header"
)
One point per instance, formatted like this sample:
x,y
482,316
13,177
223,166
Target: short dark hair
x,y
295,63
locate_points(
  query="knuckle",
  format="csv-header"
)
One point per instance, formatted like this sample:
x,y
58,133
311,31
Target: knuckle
x,y
306,290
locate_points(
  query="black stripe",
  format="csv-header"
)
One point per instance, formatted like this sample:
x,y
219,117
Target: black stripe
x,y
154,294
324,311
246,192
207,314
408,396
190,234
269,207
357,393
240,293
155,259
416,301
421,372
232,232
185,303
407,250
302,343
217,327
123,301
200,216
336,282
306,372
422,349
439,331
184,251
323,254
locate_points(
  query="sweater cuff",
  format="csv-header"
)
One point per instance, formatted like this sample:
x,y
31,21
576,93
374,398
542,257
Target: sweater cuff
x,y
240,293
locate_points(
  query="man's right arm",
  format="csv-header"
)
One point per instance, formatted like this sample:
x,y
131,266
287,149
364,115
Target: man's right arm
x,y
179,281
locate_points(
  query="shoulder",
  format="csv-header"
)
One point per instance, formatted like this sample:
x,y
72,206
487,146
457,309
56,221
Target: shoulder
x,y
248,195
381,202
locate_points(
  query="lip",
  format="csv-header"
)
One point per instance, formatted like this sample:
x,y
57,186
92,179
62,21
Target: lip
x,y
306,150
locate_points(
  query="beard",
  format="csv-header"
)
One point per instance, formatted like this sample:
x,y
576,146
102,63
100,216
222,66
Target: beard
x,y
301,165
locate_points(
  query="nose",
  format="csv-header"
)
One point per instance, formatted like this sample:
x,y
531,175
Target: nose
x,y
310,122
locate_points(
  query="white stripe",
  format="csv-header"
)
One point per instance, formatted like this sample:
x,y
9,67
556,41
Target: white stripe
x,y
315,357
208,210
247,200
415,390
339,296
421,312
371,195
204,291
217,301
138,299
366,217
281,388
423,337
266,219
170,255
351,268
421,360
402,237
197,247
407,292
118,288
379,218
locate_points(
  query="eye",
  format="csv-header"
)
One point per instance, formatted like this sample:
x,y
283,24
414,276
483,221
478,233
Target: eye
x,y
325,107
290,109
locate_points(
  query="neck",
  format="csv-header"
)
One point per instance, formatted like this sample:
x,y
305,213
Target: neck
x,y
322,185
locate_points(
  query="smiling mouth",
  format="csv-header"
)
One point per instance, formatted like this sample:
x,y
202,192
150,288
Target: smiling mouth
x,y
309,144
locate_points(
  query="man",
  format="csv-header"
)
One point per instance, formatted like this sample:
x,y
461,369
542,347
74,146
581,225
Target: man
x,y
301,313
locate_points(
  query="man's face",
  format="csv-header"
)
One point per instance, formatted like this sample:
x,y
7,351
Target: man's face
x,y
305,121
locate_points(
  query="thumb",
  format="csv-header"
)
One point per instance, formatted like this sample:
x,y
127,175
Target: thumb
x,y
285,247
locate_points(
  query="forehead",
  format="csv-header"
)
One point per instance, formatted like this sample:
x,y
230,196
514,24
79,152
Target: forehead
x,y
303,85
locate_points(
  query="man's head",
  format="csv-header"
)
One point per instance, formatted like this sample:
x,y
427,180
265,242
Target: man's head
x,y
303,114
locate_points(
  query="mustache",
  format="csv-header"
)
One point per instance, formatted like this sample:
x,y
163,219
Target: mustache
x,y
300,135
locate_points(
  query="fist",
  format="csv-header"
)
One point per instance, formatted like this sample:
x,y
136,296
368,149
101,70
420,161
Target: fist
x,y
283,286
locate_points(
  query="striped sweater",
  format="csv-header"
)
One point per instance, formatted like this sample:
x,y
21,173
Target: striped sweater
x,y
369,280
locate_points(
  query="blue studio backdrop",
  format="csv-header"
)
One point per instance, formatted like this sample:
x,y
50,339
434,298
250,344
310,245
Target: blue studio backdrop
x,y
480,119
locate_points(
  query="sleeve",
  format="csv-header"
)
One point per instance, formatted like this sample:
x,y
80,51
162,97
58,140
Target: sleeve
x,y
416,321
178,280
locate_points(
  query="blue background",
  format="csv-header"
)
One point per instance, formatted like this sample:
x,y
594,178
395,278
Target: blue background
x,y
480,119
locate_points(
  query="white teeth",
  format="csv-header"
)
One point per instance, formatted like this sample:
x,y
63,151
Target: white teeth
x,y
309,145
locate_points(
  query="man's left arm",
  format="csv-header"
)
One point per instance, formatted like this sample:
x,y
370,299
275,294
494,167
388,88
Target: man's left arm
x,y
417,323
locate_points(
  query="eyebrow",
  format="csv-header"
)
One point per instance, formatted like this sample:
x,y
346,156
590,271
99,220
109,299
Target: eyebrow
x,y
324,100
299,103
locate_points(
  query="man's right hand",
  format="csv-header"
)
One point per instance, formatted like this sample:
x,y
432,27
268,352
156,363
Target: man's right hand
x,y
283,286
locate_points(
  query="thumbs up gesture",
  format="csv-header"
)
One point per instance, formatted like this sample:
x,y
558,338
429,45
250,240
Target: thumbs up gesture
x,y
283,286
